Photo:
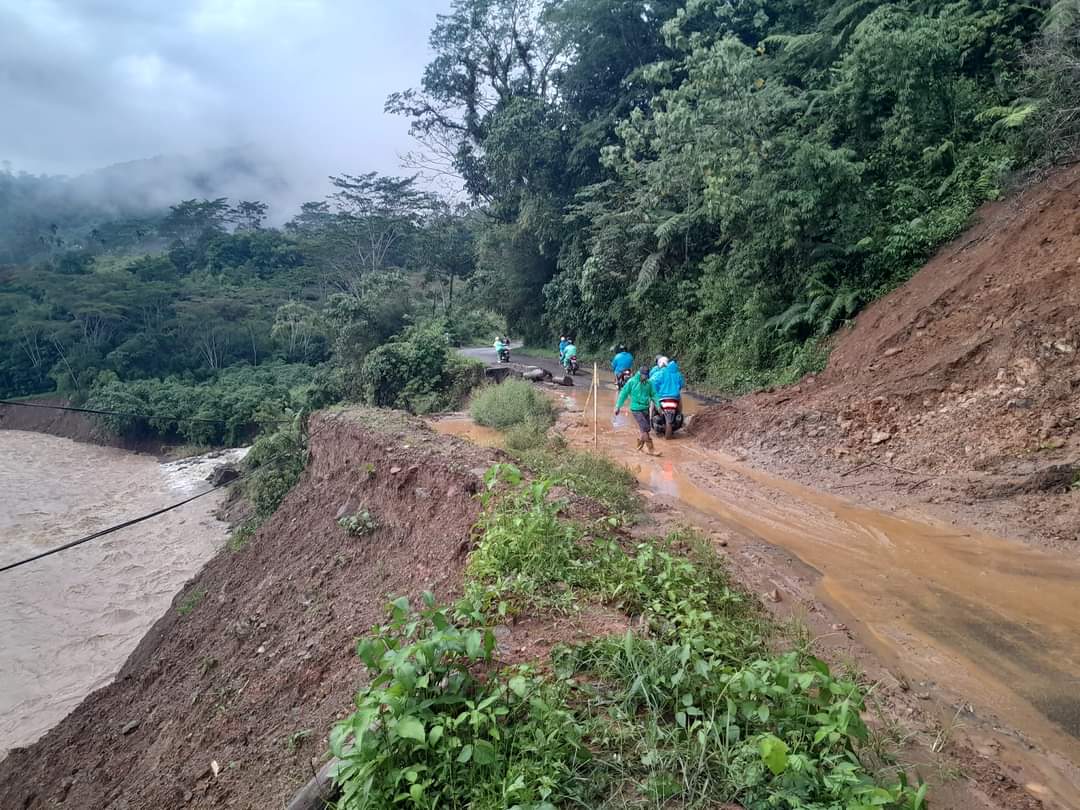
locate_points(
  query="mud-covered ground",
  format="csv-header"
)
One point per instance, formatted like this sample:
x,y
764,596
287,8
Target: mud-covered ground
x,y
957,395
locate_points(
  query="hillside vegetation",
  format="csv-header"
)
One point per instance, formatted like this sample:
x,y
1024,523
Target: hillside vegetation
x,y
730,181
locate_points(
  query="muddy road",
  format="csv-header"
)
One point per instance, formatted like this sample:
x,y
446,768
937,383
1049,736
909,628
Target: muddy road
x,y
69,621
989,628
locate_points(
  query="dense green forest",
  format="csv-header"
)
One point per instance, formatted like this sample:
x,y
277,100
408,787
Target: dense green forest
x,y
727,181
207,312
730,180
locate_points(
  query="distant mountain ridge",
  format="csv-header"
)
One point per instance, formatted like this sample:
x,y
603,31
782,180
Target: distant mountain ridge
x,y
39,213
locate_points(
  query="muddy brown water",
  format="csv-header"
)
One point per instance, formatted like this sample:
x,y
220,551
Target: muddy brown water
x,y
990,624
67,622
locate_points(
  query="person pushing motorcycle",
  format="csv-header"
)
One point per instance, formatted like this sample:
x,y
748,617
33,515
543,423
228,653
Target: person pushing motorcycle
x,y
640,392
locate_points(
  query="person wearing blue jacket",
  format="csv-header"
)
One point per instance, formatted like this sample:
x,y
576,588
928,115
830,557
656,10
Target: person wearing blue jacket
x,y
622,361
669,385
562,346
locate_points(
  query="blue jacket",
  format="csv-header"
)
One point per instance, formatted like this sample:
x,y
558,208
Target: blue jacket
x,y
654,375
562,346
670,382
568,351
621,362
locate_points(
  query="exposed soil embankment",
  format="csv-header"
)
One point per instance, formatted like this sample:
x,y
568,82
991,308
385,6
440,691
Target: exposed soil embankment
x,y
82,427
961,388
255,659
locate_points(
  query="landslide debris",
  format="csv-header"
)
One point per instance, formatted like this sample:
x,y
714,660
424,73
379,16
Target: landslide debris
x,y
256,660
962,385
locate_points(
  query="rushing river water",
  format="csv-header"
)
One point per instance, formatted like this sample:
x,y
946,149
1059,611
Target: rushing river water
x,y
67,622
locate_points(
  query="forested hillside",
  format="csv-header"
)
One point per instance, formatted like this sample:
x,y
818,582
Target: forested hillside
x,y
209,313
729,181
726,182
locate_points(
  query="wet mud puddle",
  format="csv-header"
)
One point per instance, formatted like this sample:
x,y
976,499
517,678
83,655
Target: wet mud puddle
x,y
69,621
990,623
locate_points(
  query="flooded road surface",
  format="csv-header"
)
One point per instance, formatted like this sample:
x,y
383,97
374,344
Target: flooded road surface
x,y
67,622
988,622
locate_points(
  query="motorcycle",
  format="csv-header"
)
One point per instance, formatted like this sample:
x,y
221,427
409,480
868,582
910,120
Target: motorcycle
x,y
623,377
504,355
668,405
572,364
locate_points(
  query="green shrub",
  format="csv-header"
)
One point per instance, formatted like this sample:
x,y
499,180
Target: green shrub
x,y
428,732
689,709
274,465
417,372
358,524
514,402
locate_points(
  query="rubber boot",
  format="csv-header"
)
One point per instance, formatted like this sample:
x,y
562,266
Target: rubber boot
x,y
648,443
640,443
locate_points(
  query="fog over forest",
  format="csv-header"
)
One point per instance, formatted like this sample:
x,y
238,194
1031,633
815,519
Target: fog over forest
x,y
294,90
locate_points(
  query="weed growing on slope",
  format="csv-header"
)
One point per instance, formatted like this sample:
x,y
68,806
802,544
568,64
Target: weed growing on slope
x,y
586,474
190,601
358,524
688,710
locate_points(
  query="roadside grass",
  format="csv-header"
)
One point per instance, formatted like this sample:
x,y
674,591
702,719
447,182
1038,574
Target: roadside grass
x,y
587,474
510,404
688,709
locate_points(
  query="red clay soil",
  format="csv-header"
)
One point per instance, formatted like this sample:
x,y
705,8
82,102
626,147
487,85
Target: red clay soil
x,y
960,389
268,647
69,425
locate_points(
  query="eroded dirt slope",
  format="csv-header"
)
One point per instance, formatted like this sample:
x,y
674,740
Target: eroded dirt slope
x,y
267,649
962,387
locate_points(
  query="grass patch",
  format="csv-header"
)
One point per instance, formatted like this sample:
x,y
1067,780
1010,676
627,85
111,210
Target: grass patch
x,y
513,403
689,709
191,601
587,474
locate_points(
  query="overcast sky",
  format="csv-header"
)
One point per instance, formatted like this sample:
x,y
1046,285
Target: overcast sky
x,y
86,83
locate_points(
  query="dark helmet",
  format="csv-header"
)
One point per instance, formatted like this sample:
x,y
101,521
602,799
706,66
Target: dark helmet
x,y
644,372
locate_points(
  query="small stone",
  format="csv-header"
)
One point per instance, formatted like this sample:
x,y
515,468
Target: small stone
x,y
1055,442
261,650
879,436
773,595
922,695
395,470
839,627
893,351
129,727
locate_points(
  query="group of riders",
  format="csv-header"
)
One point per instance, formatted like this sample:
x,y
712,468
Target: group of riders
x,y
655,394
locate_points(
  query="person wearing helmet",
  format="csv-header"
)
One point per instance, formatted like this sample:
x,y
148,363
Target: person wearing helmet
x,y
621,364
642,399
562,346
669,385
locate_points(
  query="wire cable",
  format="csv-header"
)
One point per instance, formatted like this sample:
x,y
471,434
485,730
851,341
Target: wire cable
x,y
327,423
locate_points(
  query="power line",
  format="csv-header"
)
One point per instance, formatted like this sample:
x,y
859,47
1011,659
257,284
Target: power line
x,y
155,513
104,532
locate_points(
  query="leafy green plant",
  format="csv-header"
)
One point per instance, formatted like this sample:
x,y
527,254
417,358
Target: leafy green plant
x,y
429,731
275,463
510,404
358,524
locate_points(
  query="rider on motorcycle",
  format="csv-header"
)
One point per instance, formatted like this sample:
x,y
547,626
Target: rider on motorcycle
x,y
562,345
669,385
621,363
568,351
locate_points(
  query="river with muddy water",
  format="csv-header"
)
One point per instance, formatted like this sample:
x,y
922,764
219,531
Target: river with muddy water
x,y
993,623
68,622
